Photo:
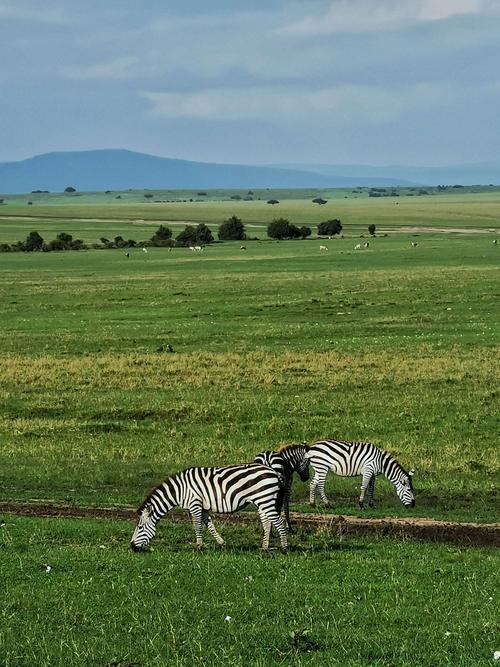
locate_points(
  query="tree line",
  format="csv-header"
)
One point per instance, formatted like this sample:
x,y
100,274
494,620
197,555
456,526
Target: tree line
x,y
231,229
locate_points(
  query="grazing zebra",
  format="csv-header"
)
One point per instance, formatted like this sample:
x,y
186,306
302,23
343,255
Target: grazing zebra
x,y
221,490
287,460
349,459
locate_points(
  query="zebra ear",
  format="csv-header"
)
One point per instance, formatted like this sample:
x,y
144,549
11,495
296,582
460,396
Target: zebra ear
x,y
411,472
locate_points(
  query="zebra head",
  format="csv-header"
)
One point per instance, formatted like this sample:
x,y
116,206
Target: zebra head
x,y
296,458
404,488
274,461
145,529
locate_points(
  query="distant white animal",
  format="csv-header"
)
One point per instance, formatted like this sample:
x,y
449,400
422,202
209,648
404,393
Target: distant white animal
x,y
198,248
191,247
145,250
358,247
243,247
323,247
366,244
414,244
127,254
494,241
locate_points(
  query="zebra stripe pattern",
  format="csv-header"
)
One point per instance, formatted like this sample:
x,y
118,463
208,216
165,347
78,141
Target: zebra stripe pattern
x,y
223,490
287,460
349,459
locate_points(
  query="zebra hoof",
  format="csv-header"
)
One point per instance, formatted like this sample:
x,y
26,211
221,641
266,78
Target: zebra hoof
x,y
284,551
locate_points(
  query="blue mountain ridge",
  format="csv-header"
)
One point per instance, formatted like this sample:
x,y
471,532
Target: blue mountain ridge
x,y
117,169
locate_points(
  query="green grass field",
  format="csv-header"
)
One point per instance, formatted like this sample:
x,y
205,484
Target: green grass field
x,y
281,342
351,603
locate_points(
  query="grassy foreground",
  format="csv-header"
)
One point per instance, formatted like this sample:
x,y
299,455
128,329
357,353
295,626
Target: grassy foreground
x,y
351,603
396,345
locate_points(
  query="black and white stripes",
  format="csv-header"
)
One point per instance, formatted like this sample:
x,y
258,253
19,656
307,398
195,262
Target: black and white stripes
x,y
287,460
349,459
222,490
267,483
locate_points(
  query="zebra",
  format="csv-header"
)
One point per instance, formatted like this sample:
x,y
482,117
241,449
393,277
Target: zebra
x,y
287,460
223,490
349,459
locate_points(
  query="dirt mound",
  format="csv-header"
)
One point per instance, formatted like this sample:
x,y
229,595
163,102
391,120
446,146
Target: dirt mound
x,y
474,534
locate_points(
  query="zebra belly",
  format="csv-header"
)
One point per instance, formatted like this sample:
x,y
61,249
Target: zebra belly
x,y
344,471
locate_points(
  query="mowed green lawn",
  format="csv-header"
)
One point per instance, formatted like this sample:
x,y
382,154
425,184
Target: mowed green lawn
x,y
276,343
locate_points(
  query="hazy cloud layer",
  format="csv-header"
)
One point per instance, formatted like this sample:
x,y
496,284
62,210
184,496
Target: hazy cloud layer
x,y
380,81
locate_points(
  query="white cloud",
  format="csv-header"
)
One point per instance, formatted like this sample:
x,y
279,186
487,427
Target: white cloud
x,y
119,68
357,16
344,103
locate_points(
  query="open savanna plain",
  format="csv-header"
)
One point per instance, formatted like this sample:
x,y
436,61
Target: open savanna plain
x,y
280,342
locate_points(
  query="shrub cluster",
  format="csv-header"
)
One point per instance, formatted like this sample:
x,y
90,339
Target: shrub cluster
x,y
281,228
34,242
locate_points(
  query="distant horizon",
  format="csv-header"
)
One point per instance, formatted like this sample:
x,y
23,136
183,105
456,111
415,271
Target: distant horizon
x,y
278,164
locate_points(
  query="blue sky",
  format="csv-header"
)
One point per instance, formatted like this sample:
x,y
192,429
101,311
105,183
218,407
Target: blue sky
x,y
311,81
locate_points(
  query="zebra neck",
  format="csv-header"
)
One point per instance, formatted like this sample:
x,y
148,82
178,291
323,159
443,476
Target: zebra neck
x,y
391,468
164,498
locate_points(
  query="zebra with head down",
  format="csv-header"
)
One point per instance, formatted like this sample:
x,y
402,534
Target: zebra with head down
x,y
223,490
349,459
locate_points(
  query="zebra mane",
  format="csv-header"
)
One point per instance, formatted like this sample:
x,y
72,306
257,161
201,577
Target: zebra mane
x,y
151,494
397,468
292,445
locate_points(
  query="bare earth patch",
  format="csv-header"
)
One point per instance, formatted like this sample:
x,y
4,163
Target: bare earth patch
x,y
473,534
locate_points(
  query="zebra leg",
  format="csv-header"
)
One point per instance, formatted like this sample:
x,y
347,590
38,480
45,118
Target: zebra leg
x,y
371,492
279,524
286,505
196,514
318,482
211,528
367,475
266,526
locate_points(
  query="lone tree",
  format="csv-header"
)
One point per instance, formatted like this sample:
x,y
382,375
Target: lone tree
x,y
69,189
33,242
319,200
162,236
280,228
273,201
232,230
371,229
329,228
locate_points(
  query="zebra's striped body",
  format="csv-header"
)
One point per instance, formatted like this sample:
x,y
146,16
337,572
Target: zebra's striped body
x,y
287,460
349,459
223,490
